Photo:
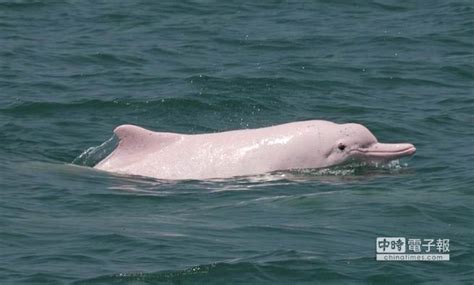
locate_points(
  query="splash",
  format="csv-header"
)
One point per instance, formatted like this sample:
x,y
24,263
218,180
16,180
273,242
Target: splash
x,y
93,155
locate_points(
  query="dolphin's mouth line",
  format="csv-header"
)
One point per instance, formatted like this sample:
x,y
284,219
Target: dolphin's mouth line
x,y
399,152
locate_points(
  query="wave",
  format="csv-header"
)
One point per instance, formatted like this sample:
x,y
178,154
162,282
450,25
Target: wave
x,y
281,271
20,5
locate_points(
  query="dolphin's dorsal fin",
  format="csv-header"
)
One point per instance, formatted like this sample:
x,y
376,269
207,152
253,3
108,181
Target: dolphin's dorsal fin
x,y
133,138
134,142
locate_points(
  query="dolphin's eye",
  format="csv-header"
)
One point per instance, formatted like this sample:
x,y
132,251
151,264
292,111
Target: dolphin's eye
x,y
341,146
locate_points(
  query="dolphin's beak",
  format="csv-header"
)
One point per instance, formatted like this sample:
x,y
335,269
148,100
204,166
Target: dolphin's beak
x,y
385,151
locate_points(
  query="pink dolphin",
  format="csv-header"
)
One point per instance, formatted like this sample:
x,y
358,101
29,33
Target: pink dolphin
x,y
298,145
